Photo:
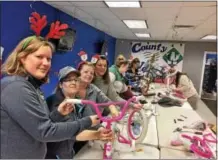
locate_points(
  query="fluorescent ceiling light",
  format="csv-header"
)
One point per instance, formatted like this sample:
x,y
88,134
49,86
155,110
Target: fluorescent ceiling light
x,y
210,37
123,4
135,23
146,35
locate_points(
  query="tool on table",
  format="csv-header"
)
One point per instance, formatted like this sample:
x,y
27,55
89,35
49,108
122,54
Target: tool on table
x,y
184,116
199,125
178,129
180,119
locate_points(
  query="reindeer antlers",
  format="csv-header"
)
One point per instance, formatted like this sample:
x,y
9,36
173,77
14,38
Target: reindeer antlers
x,y
55,30
37,23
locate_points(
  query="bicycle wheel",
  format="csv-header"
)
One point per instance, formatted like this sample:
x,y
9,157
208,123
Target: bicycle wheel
x,y
137,126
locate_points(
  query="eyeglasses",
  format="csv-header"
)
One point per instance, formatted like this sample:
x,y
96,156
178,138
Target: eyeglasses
x,y
75,80
103,57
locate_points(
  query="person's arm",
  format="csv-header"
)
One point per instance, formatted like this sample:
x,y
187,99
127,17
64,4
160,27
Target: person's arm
x,y
112,94
55,115
101,98
87,111
112,76
87,135
32,114
100,134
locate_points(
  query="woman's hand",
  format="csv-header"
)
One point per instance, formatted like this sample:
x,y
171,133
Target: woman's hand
x,y
65,108
95,120
105,134
138,106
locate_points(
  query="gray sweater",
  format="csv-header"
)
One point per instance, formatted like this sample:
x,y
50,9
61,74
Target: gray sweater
x,y
25,122
108,89
93,93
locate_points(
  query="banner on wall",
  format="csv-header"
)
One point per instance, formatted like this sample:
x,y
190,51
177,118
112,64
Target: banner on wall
x,y
166,54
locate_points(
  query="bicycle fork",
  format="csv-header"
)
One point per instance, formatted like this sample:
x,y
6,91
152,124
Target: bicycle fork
x,y
107,155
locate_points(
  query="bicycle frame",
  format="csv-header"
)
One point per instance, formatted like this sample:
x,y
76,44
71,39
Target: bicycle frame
x,y
107,155
200,145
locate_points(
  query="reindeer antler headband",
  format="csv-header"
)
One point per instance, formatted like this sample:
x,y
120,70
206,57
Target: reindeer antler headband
x,y
38,23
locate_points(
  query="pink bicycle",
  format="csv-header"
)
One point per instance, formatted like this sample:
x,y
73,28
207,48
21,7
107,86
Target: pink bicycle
x,y
204,147
134,129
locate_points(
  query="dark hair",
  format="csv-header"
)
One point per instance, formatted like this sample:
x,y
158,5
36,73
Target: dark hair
x,y
134,61
106,76
178,75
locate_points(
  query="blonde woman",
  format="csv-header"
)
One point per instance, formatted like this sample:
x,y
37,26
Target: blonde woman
x,y
25,123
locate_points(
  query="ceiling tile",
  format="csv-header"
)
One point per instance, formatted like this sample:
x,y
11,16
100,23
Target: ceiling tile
x,y
160,14
129,13
58,3
99,13
161,4
208,27
198,4
196,13
89,4
77,12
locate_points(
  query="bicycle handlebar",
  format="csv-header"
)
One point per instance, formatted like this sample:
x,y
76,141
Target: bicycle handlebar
x,y
96,105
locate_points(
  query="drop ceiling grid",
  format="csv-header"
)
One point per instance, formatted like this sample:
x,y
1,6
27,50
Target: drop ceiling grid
x,y
99,13
159,16
89,4
196,13
160,4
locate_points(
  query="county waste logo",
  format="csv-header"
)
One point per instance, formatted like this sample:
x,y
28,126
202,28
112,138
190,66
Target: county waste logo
x,y
172,57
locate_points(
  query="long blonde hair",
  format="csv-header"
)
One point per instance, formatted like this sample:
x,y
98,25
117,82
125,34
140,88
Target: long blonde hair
x,y
29,45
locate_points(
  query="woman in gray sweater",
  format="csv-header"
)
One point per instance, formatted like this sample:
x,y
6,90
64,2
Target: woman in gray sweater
x,y
102,81
25,123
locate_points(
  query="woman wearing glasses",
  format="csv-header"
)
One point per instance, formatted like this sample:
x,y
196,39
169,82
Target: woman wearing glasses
x,y
67,88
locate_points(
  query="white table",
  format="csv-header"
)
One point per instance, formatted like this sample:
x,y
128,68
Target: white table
x,y
166,153
160,133
166,125
145,152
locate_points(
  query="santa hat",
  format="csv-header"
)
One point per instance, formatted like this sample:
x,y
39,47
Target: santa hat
x,y
95,58
82,53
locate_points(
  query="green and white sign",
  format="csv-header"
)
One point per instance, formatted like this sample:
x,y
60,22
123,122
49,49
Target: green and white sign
x,y
166,54
173,57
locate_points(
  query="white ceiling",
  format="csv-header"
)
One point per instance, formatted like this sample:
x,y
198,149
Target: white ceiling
x,y
160,17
